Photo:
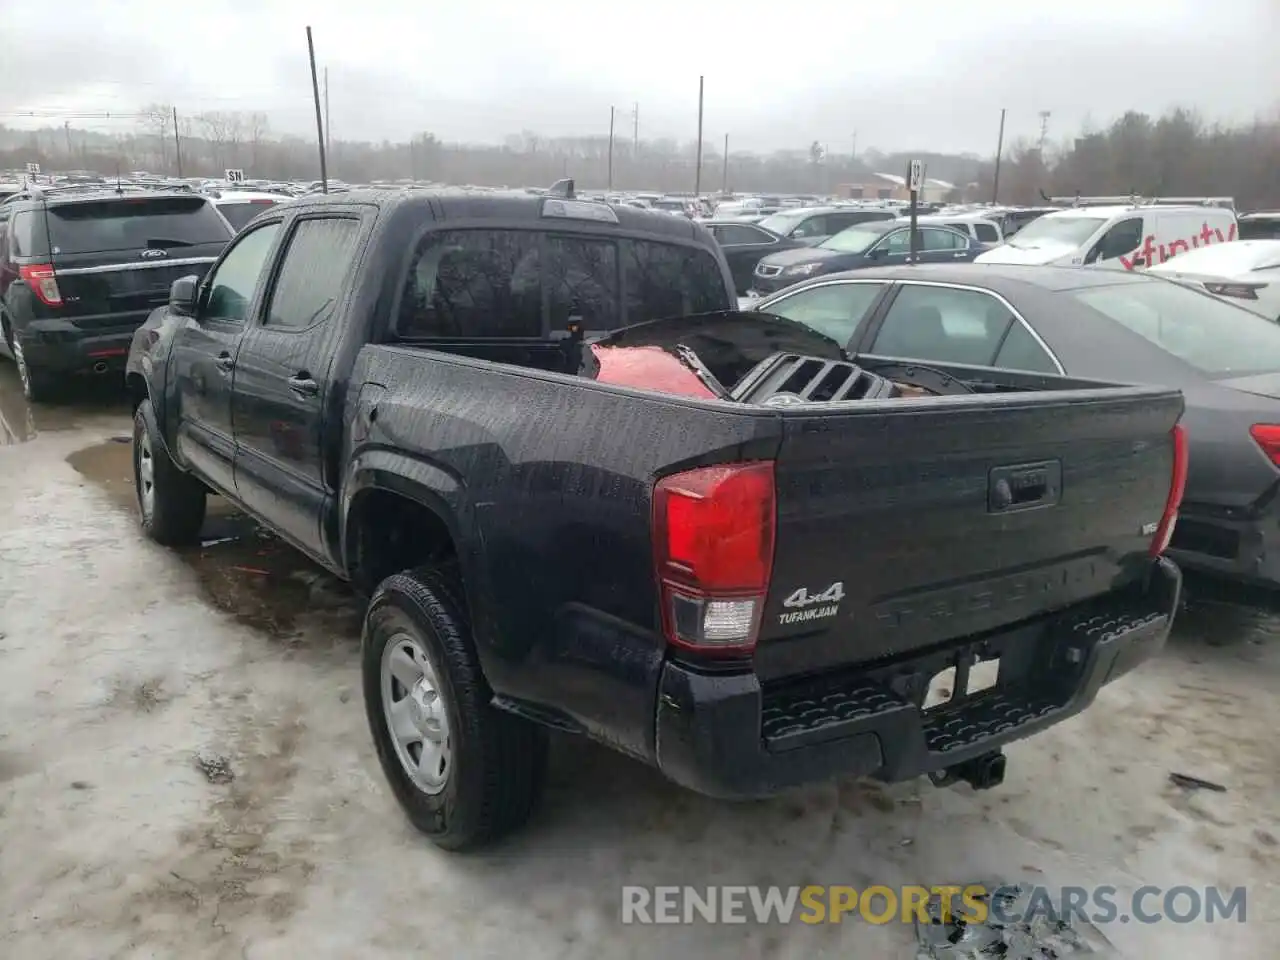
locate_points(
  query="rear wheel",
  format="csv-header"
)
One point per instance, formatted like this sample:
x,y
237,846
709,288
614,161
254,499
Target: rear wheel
x,y
172,503
464,773
37,385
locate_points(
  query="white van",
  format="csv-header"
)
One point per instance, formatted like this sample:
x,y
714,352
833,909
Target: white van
x,y
1131,237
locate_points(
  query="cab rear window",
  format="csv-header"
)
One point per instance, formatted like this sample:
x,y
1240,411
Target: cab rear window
x,y
134,223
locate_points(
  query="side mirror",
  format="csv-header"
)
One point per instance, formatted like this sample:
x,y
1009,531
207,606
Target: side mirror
x,y
182,295
877,253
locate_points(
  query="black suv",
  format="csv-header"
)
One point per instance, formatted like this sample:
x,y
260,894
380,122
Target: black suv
x,y
82,267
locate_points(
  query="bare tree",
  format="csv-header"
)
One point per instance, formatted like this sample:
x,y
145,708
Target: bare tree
x,y
158,118
256,129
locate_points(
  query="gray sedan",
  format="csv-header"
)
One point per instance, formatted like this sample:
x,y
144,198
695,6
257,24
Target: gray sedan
x,y
1103,324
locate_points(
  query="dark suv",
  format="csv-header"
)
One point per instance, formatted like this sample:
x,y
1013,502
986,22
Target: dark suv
x,y
82,267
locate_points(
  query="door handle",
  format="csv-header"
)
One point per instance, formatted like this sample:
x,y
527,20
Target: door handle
x,y
224,362
303,385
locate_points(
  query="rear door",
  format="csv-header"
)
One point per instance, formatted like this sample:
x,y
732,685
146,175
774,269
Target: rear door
x,y
116,258
939,245
282,378
203,356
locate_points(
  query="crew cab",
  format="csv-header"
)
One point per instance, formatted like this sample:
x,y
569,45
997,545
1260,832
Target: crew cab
x,y
586,494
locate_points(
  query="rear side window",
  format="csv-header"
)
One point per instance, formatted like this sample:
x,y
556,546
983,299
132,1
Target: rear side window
x,y
943,323
474,283
28,235
664,280
1021,351
134,223
315,267
986,232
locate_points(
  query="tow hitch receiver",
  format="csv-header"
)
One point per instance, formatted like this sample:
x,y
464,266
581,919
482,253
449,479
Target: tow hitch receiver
x,y
981,773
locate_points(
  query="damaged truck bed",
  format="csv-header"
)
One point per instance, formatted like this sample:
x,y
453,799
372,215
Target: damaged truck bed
x,y
713,542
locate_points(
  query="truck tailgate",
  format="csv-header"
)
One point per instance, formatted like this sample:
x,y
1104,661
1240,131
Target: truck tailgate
x,y
902,525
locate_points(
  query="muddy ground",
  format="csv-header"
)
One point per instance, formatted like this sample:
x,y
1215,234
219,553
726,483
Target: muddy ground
x,y
185,771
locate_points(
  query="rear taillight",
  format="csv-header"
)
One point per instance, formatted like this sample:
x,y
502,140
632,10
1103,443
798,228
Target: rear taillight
x,y
1177,485
40,278
713,531
264,202
1267,436
1242,291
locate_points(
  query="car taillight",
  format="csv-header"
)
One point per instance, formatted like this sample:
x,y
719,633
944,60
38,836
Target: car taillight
x,y
1177,485
1242,291
43,283
1267,436
713,531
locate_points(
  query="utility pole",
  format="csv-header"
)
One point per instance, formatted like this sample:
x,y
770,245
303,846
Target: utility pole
x,y
177,142
995,187
697,176
853,149
611,112
328,130
635,130
66,130
724,177
315,95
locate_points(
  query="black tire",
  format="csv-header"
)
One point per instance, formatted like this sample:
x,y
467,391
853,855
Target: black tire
x,y
497,762
38,385
174,512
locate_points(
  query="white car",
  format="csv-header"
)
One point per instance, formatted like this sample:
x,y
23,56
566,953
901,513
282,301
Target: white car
x,y
241,206
1246,272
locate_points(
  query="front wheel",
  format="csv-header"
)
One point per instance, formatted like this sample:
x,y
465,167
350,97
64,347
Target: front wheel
x,y
171,502
464,772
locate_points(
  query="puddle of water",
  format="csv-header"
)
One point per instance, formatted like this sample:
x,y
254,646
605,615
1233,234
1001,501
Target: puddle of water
x,y
243,569
86,401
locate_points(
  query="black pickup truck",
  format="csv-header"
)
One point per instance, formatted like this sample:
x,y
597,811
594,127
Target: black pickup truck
x,y
585,494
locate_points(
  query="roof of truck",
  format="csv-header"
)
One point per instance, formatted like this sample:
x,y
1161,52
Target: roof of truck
x,y
454,204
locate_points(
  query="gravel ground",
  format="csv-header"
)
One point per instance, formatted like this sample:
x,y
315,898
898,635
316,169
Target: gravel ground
x,y
185,772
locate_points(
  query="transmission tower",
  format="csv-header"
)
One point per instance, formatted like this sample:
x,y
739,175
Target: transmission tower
x,y
1044,130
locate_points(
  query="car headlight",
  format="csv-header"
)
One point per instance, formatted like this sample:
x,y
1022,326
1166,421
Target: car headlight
x,y
802,269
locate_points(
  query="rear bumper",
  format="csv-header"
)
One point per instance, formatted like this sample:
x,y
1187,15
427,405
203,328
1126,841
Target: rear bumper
x,y
1240,545
726,736
59,346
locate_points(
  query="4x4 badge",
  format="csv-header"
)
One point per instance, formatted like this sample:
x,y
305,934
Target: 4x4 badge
x,y
154,253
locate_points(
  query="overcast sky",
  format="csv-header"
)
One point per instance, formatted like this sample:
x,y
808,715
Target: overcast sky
x,y
930,74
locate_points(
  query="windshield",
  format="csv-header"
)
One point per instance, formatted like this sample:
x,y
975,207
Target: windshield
x,y
1071,231
852,240
133,223
1216,337
783,223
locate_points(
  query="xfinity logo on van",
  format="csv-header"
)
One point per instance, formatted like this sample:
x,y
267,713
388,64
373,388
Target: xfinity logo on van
x,y
1202,239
